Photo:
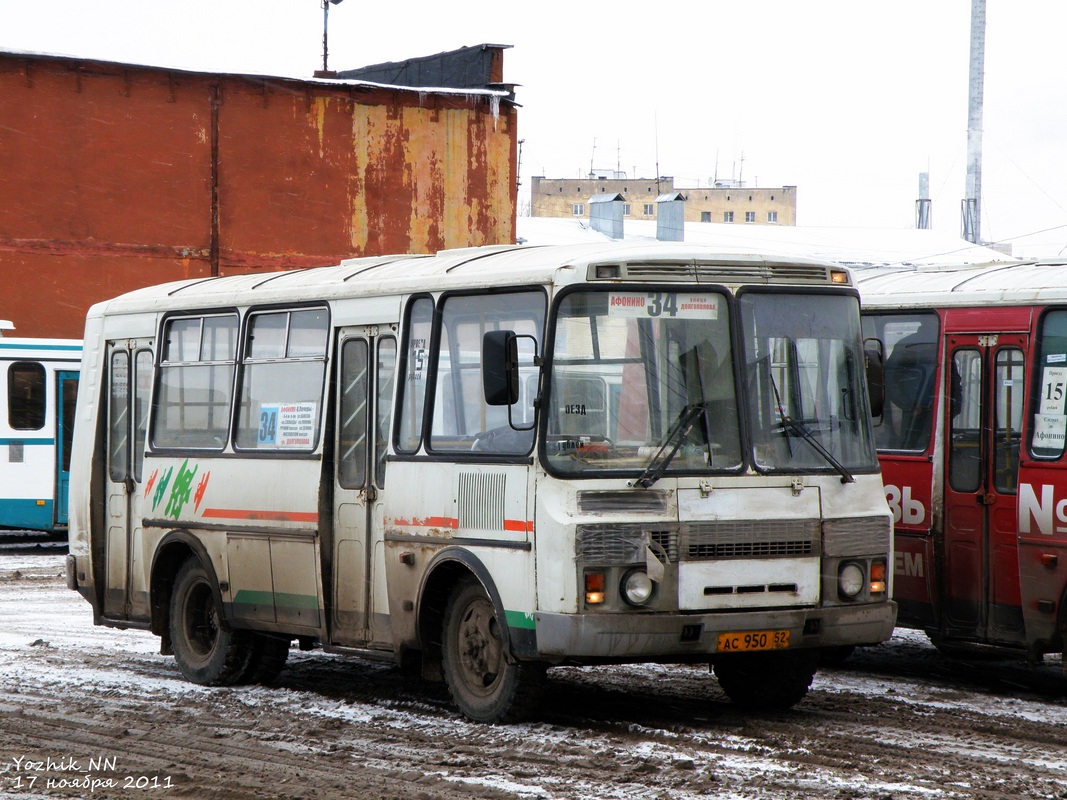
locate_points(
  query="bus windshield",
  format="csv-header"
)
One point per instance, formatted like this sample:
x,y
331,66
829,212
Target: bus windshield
x,y
804,373
644,383
639,377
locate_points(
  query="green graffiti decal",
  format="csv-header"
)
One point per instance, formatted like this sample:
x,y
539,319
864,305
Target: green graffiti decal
x,y
161,488
182,491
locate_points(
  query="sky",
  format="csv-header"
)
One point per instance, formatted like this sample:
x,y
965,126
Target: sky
x,y
847,100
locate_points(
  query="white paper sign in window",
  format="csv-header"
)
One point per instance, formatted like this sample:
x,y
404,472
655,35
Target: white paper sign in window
x,y
1050,432
672,305
286,425
1053,390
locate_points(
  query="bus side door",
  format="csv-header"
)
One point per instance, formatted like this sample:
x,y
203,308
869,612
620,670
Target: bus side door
x,y
984,430
366,369
66,400
129,377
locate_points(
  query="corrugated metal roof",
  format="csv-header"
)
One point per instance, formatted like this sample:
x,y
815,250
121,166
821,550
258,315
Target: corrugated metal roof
x,y
986,284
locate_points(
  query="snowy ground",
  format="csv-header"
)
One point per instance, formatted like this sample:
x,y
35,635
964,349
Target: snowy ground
x,y
95,712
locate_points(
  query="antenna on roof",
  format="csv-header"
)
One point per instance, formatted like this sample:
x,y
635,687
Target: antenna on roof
x,y
326,72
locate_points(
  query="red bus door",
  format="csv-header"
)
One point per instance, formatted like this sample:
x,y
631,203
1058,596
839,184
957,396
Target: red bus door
x,y
980,579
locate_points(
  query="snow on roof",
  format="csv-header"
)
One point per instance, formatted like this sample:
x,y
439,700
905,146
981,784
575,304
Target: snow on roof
x,y
466,92
852,247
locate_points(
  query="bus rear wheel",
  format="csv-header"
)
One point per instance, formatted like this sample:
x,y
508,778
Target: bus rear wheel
x,y
485,684
269,654
767,681
206,651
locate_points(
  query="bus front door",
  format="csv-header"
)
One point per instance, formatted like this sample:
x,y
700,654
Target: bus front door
x,y
66,400
129,376
980,579
364,395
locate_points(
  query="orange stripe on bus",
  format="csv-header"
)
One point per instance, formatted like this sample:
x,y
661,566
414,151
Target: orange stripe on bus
x,y
271,516
513,525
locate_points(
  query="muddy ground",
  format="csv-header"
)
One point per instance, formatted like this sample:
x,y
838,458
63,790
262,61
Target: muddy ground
x,y
95,712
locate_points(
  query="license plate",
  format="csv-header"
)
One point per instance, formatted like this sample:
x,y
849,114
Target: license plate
x,y
747,641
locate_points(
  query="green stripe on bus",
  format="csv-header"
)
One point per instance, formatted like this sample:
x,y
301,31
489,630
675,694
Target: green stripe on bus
x,y
249,597
520,619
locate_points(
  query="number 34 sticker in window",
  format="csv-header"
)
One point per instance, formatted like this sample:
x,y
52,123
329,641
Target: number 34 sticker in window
x,y
286,425
671,305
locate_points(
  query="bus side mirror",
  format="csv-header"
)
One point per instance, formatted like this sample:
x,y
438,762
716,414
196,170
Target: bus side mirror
x,y
500,368
873,354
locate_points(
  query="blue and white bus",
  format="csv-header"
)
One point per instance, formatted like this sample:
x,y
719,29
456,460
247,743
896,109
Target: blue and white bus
x,y
40,389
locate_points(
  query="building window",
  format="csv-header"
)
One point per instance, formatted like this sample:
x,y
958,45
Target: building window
x,y
626,209
750,216
650,210
705,216
727,216
578,209
772,216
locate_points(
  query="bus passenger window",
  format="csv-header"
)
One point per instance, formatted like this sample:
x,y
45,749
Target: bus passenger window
x,y
411,397
26,396
462,419
282,380
1049,431
193,401
910,381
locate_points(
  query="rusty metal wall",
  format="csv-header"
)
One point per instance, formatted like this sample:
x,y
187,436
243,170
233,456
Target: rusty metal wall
x,y
115,177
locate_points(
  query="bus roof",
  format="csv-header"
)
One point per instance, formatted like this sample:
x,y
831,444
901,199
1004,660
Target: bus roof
x,y
1016,283
479,267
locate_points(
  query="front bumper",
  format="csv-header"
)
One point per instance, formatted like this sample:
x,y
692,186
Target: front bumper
x,y
650,636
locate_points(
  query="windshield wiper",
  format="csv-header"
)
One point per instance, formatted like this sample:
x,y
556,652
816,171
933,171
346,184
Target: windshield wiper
x,y
798,428
671,445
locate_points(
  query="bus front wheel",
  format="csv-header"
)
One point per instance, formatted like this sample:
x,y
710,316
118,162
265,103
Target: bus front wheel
x,y
767,681
484,683
206,651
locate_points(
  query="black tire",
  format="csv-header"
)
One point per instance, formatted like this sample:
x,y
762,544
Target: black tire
x,y
206,650
485,684
269,654
767,681
835,656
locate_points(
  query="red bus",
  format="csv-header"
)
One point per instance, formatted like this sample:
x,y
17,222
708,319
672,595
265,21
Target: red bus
x,y
973,447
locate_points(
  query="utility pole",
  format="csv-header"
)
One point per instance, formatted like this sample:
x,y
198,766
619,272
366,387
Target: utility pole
x,y
326,72
971,210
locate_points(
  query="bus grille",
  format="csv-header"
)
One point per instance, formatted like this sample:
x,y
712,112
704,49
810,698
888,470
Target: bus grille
x,y
624,544
704,541
732,274
856,536
480,501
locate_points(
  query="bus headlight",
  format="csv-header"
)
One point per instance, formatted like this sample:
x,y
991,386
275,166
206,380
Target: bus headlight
x,y
636,587
850,580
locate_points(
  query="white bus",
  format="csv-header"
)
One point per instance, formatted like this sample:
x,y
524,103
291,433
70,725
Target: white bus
x,y
40,388
488,462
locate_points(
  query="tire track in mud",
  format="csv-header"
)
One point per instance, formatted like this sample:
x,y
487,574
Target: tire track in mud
x,y
898,721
